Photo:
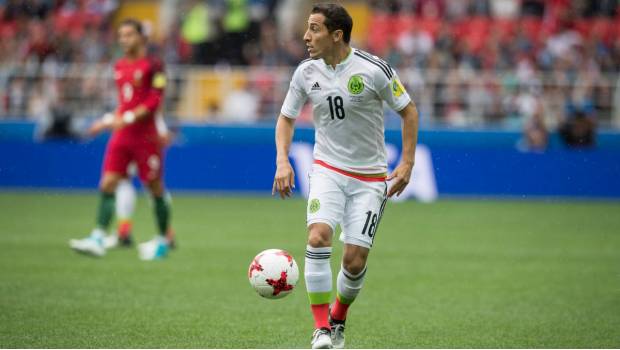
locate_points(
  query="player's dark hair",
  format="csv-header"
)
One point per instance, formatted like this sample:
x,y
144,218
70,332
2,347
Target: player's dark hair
x,y
133,23
336,17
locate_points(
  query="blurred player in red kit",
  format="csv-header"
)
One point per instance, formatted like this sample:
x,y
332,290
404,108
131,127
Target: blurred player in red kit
x,y
140,81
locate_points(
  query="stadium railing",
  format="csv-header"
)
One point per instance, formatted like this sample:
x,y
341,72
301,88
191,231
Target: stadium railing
x,y
455,98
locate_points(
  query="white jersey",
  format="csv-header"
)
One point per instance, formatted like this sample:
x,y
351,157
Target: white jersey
x,y
347,109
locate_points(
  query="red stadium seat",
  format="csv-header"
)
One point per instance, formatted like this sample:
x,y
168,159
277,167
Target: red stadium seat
x,y
402,24
428,25
478,31
604,28
505,28
532,28
379,32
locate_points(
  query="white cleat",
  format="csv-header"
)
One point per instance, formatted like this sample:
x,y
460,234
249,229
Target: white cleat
x,y
155,249
321,339
110,241
91,245
338,335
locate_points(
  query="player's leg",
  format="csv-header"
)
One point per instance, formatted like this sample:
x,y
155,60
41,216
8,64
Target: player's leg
x,y
107,188
350,280
94,243
170,231
349,283
318,273
325,209
157,247
361,219
125,206
161,206
150,163
115,164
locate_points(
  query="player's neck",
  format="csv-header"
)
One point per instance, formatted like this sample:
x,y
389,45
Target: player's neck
x,y
340,54
136,55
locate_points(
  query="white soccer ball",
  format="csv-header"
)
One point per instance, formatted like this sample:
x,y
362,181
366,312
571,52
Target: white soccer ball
x,y
273,273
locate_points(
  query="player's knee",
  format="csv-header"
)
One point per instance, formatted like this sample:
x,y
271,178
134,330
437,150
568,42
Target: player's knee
x,y
108,184
354,264
319,236
156,188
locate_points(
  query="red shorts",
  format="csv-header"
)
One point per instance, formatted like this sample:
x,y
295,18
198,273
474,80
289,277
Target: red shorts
x,y
147,155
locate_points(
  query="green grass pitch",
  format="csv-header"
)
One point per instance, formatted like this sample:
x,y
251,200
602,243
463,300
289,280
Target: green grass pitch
x,y
453,274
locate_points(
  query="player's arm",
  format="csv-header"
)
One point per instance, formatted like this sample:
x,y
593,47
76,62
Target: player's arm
x,y
284,180
402,174
106,122
112,120
394,93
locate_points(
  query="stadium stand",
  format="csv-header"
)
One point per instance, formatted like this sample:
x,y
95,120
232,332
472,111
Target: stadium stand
x,y
475,63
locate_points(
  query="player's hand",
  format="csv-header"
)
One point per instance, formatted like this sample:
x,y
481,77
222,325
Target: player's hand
x,y
101,124
166,139
284,180
401,176
117,123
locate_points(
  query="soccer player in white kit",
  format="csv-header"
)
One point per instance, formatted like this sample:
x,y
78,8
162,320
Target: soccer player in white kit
x,y
348,182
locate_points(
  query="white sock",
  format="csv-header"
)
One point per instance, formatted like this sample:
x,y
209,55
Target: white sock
x,y
318,274
348,284
125,199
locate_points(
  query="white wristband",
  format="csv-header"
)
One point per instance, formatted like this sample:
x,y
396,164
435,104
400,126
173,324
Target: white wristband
x,y
129,117
107,119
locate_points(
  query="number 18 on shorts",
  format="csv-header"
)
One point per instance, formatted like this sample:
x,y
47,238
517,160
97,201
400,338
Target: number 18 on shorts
x,y
356,205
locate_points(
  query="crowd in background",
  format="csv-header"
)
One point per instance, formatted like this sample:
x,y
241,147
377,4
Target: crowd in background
x,y
539,65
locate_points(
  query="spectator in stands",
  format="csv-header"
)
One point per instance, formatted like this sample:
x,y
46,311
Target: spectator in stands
x,y
533,8
560,45
241,105
61,123
16,97
200,33
578,131
536,132
236,26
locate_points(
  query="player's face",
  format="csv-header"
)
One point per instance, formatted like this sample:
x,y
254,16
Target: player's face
x,y
129,39
318,39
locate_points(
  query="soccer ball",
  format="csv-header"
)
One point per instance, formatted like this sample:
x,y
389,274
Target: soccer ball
x,y
273,273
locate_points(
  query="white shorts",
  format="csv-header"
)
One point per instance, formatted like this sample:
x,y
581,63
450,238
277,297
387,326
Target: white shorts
x,y
356,205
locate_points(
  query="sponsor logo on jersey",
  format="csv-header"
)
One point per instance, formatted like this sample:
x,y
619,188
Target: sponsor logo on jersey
x,y
314,206
397,88
356,85
316,86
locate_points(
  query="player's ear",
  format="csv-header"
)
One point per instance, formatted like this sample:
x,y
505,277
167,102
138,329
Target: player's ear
x,y
337,35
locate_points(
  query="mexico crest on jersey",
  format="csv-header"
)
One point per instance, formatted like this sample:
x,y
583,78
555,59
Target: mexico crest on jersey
x,y
356,85
314,206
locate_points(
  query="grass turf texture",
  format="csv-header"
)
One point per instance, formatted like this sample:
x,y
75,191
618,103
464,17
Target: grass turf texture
x,y
451,274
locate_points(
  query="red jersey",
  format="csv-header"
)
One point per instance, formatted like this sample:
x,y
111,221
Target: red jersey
x,y
139,82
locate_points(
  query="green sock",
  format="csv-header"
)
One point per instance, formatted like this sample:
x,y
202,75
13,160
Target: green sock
x,y
106,210
162,214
